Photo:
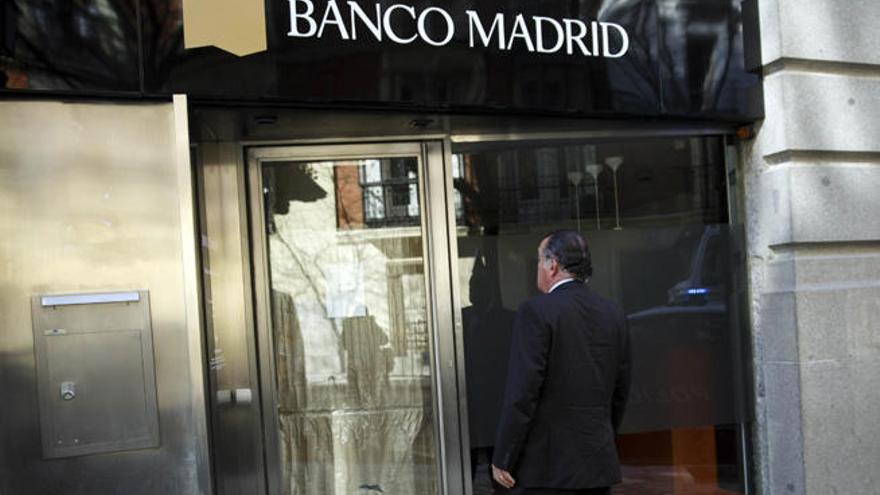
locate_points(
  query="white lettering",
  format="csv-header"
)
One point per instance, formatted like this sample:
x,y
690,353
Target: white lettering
x,y
423,33
624,40
520,31
594,29
571,37
295,16
333,9
375,28
539,34
474,22
386,23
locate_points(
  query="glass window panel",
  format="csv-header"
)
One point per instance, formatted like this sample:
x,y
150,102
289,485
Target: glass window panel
x,y
457,167
457,175
654,212
400,195
399,168
374,202
351,338
413,204
390,195
70,46
372,171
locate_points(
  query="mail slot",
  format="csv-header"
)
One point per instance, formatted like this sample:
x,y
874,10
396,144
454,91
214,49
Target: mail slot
x,y
95,371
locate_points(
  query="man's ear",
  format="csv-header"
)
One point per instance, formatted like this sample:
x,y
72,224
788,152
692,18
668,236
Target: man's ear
x,y
552,266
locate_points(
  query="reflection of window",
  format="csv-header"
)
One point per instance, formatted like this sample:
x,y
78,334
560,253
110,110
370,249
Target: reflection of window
x,y
657,181
458,174
400,195
539,188
527,178
562,180
374,205
391,193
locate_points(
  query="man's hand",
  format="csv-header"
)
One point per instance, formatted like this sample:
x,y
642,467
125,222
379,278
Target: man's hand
x,y
503,477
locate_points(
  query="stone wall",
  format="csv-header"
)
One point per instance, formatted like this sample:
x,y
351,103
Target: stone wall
x,y
812,193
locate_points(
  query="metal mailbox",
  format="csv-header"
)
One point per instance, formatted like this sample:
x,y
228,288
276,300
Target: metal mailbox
x,y
95,372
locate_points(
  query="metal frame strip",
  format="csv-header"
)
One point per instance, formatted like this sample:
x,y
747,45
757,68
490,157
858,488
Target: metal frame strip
x,y
458,325
192,293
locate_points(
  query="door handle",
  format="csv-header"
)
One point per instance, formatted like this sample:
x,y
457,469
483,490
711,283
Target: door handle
x,y
243,396
224,397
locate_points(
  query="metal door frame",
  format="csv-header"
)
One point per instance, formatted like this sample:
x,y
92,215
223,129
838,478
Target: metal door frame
x,y
439,252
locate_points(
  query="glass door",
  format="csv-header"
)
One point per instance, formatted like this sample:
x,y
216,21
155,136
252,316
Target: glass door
x,y
654,211
352,291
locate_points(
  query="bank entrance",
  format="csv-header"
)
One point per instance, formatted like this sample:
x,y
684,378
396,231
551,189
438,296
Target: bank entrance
x,y
360,283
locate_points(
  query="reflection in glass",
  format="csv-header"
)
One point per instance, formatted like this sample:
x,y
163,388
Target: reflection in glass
x,y
487,336
64,45
350,327
675,268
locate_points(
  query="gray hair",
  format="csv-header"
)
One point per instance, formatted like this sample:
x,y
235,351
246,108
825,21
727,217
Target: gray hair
x,y
570,250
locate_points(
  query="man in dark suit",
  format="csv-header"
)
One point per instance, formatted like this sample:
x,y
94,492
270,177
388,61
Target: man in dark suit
x,y
567,381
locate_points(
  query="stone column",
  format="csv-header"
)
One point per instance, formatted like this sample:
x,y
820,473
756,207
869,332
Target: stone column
x,y
812,192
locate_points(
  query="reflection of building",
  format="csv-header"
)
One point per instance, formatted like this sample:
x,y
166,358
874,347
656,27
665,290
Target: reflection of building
x,y
332,253
378,193
354,402
667,178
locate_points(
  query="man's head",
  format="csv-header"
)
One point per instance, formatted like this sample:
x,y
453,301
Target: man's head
x,y
563,254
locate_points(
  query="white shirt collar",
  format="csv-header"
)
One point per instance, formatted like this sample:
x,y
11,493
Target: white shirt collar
x,y
557,284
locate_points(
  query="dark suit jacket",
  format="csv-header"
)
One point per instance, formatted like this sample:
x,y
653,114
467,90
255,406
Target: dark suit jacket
x,y
567,383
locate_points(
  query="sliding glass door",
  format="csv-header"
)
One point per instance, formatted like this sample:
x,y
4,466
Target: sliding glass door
x,y
349,308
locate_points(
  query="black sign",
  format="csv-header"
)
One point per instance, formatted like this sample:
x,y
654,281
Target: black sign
x,y
581,57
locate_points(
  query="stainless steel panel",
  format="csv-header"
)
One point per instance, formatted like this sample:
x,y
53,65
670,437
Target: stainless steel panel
x,y
95,372
192,295
236,425
263,313
90,199
458,325
446,362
